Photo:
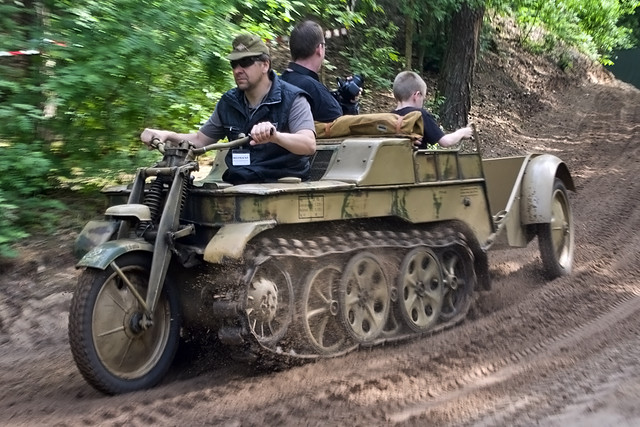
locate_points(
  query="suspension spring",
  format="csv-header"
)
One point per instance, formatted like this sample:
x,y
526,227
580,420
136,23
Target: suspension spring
x,y
153,199
186,187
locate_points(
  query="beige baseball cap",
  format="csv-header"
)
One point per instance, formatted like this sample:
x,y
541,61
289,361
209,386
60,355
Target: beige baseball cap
x,y
247,45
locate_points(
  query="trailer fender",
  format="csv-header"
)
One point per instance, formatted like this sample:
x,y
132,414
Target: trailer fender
x,y
103,255
537,187
230,241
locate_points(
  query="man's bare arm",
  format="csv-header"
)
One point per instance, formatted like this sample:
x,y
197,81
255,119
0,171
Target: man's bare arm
x,y
302,142
198,138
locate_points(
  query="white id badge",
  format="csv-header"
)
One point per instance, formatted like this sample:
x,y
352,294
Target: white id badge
x,y
240,158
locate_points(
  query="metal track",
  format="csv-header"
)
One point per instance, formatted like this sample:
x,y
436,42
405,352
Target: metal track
x,y
319,250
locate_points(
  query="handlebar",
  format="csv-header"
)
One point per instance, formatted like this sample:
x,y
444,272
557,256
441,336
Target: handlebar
x,y
222,145
160,146
194,152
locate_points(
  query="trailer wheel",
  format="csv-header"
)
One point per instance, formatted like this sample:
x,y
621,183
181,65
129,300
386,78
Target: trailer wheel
x,y
114,352
556,238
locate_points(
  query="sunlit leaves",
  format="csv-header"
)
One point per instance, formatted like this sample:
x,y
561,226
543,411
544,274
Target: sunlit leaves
x,y
591,25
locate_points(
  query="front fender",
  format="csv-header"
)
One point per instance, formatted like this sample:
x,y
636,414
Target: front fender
x,y
101,256
537,187
94,233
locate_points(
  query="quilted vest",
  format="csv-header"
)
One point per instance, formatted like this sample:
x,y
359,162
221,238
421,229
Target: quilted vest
x,y
269,162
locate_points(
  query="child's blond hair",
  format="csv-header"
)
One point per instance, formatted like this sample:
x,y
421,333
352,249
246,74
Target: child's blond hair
x,y
406,84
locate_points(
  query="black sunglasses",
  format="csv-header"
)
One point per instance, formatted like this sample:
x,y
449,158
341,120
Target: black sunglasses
x,y
245,62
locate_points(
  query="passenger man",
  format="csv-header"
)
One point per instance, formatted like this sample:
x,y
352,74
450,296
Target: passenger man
x,y
410,90
276,115
307,46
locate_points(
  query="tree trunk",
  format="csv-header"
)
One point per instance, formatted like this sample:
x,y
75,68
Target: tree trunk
x,y
456,76
408,37
421,52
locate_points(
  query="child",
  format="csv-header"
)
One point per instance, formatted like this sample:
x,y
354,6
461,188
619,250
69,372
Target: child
x,y
410,91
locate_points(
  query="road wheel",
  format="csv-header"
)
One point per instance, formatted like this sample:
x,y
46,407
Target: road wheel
x,y
365,297
320,316
459,281
114,352
555,238
420,289
269,304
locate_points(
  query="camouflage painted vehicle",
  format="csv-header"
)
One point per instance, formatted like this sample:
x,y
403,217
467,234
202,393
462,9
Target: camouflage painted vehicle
x,y
385,243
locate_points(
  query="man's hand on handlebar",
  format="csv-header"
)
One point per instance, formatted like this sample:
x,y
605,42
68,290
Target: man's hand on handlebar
x,y
262,133
153,137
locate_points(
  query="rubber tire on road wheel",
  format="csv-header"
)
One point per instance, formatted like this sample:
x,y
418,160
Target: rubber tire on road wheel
x,y
364,297
101,316
460,281
556,238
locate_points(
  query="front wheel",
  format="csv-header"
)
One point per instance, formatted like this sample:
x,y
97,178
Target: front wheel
x,y
114,352
556,238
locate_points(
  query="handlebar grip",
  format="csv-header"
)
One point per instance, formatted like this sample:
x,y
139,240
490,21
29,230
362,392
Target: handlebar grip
x,y
156,144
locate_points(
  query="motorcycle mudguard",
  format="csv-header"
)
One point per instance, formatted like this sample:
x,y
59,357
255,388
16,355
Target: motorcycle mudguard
x,y
101,256
94,234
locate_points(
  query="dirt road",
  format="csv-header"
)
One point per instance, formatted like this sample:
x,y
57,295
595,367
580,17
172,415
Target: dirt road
x,y
565,352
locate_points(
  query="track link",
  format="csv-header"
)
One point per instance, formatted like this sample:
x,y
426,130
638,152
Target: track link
x,y
285,342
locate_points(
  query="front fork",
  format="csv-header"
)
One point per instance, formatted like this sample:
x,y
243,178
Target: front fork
x,y
167,232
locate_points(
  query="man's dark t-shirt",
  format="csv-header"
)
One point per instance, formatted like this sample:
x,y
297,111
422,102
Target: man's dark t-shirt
x,y
432,132
324,106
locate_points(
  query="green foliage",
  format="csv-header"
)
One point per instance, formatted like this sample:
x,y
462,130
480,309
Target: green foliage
x,y
116,168
9,233
631,21
272,19
591,25
269,18
374,58
434,105
23,179
19,120
565,62
432,27
130,64
13,36
25,170
72,116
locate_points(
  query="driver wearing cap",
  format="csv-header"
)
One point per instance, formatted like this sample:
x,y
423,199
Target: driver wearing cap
x,y
275,113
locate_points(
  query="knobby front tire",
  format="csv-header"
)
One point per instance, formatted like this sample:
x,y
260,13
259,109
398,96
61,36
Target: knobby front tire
x,y
113,353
